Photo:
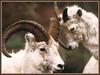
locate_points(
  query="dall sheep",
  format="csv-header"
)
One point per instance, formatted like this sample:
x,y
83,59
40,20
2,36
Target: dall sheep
x,y
37,57
80,26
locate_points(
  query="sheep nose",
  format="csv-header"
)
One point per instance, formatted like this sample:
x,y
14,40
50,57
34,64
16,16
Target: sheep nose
x,y
61,66
69,47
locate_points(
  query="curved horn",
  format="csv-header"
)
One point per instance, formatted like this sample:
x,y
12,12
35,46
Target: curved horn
x,y
54,28
63,45
57,12
25,25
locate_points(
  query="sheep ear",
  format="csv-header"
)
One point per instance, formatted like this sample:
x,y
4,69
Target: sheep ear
x,y
30,42
29,38
65,15
79,13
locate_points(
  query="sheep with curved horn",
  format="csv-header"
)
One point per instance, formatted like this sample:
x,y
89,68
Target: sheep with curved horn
x,y
80,26
37,57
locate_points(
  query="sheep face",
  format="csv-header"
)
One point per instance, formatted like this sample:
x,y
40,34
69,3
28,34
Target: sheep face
x,y
44,57
79,26
72,26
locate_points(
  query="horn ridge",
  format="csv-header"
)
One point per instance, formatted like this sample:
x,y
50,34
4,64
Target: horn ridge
x,y
54,28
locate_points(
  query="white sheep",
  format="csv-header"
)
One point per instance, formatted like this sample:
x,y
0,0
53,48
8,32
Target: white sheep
x,y
80,26
37,57
41,52
92,66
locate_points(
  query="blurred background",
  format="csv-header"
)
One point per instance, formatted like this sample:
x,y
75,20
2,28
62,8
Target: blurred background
x,y
41,12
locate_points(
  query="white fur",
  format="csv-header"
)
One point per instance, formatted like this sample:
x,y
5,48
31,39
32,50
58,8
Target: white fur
x,y
92,66
85,31
32,59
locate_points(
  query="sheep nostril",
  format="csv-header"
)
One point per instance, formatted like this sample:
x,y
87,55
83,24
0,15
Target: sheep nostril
x,y
70,47
72,29
61,66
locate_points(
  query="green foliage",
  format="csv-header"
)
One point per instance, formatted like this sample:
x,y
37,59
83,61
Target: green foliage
x,y
16,42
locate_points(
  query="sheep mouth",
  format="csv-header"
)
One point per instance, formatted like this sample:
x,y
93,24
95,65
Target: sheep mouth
x,y
55,70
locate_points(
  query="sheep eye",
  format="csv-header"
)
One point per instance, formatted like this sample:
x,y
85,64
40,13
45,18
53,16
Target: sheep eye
x,y
42,49
59,18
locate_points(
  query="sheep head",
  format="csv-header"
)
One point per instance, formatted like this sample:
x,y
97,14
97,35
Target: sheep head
x,y
45,49
44,57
